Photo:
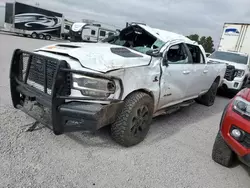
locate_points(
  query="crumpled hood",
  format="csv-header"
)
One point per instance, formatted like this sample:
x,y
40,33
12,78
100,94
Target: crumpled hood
x,y
237,65
102,57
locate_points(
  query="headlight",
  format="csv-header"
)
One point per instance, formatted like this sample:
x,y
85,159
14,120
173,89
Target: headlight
x,y
242,106
96,87
239,73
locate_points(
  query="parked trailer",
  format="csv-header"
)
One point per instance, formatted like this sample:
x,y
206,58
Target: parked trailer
x,y
33,21
235,37
85,32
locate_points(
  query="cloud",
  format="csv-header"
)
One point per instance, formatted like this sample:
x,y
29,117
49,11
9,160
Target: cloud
x,y
205,17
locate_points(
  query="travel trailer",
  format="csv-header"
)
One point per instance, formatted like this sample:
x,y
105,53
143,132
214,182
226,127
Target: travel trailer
x,y
32,21
89,32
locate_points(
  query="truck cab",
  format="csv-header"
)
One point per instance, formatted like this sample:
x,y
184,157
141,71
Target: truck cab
x,y
238,68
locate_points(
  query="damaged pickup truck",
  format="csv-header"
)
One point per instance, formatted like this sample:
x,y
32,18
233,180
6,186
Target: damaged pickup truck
x,y
124,81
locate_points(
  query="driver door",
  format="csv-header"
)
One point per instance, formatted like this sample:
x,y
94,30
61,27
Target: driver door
x,y
176,75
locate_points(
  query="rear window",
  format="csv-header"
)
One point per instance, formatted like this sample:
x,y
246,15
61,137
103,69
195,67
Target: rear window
x,y
227,56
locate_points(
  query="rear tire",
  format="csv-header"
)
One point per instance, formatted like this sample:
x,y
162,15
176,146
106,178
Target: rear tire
x,y
133,122
244,84
209,98
41,36
222,153
48,37
34,35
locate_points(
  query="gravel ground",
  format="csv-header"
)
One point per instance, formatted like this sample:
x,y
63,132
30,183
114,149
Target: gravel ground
x,y
176,153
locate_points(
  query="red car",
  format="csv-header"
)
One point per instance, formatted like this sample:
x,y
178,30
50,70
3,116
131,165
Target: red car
x,y
233,138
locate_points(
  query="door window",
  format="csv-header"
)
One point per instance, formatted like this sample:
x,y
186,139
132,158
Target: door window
x,y
102,33
92,32
196,54
177,54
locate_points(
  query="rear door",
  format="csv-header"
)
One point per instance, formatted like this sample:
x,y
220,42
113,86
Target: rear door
x,y
245,42
202,75
176,75
102,34
89,34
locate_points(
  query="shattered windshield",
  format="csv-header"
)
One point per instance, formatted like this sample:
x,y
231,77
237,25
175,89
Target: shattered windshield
x,y
136,38
228,56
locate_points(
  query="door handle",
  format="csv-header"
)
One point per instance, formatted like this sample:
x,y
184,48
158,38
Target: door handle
x,y
186,72
205,71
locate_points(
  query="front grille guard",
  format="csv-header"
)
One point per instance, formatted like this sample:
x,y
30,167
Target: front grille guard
x,y
20,90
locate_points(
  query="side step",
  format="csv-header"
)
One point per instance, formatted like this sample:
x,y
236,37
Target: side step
x,y
174,108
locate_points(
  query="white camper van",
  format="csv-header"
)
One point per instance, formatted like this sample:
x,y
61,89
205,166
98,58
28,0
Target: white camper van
x,y
83,32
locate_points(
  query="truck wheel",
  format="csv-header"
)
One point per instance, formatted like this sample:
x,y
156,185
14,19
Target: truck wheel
x,y
209,98
222,153
244,83
133,122
34,35
47,37
41,36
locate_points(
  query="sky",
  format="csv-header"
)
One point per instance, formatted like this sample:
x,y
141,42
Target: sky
x,y
204,17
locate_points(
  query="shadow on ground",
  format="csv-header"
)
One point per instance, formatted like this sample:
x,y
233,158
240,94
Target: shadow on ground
x,y
161,128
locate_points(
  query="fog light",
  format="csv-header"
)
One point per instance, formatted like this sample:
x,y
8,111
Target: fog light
x,y
236,133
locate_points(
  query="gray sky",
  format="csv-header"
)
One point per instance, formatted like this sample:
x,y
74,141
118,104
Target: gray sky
x,y
205,17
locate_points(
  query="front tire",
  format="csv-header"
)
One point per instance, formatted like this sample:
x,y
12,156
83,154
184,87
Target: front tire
x,y
133,122
222,153
209,98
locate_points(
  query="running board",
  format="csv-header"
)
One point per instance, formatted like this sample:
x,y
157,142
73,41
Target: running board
x,y
174,108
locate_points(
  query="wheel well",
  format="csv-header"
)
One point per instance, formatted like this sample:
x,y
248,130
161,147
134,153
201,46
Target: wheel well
x,y
150,93
217,79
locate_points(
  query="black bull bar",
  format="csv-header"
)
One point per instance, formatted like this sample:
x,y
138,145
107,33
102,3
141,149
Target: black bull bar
x,y
48,82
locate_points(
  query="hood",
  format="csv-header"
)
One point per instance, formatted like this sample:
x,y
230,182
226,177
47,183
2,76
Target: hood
x,y
236,65
101,57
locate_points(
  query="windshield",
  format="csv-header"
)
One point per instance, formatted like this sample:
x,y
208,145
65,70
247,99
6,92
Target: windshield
x,y
228,56
135,38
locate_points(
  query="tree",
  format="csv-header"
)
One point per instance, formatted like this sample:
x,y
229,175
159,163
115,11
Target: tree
x,y
206,42
194,37
209,45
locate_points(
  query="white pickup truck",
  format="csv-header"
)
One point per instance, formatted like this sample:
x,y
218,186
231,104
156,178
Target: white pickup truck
x,y
123,82
238,69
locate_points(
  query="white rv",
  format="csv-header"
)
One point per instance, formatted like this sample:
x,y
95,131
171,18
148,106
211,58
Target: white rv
x,y
84,32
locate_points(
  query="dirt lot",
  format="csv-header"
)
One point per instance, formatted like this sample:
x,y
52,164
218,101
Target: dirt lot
x,y
176,153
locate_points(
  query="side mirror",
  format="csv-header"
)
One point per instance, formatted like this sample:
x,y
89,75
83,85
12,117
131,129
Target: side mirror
x,y
154,53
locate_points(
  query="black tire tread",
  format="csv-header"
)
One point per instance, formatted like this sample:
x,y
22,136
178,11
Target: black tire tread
x,y
222,153
119,127
204,99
